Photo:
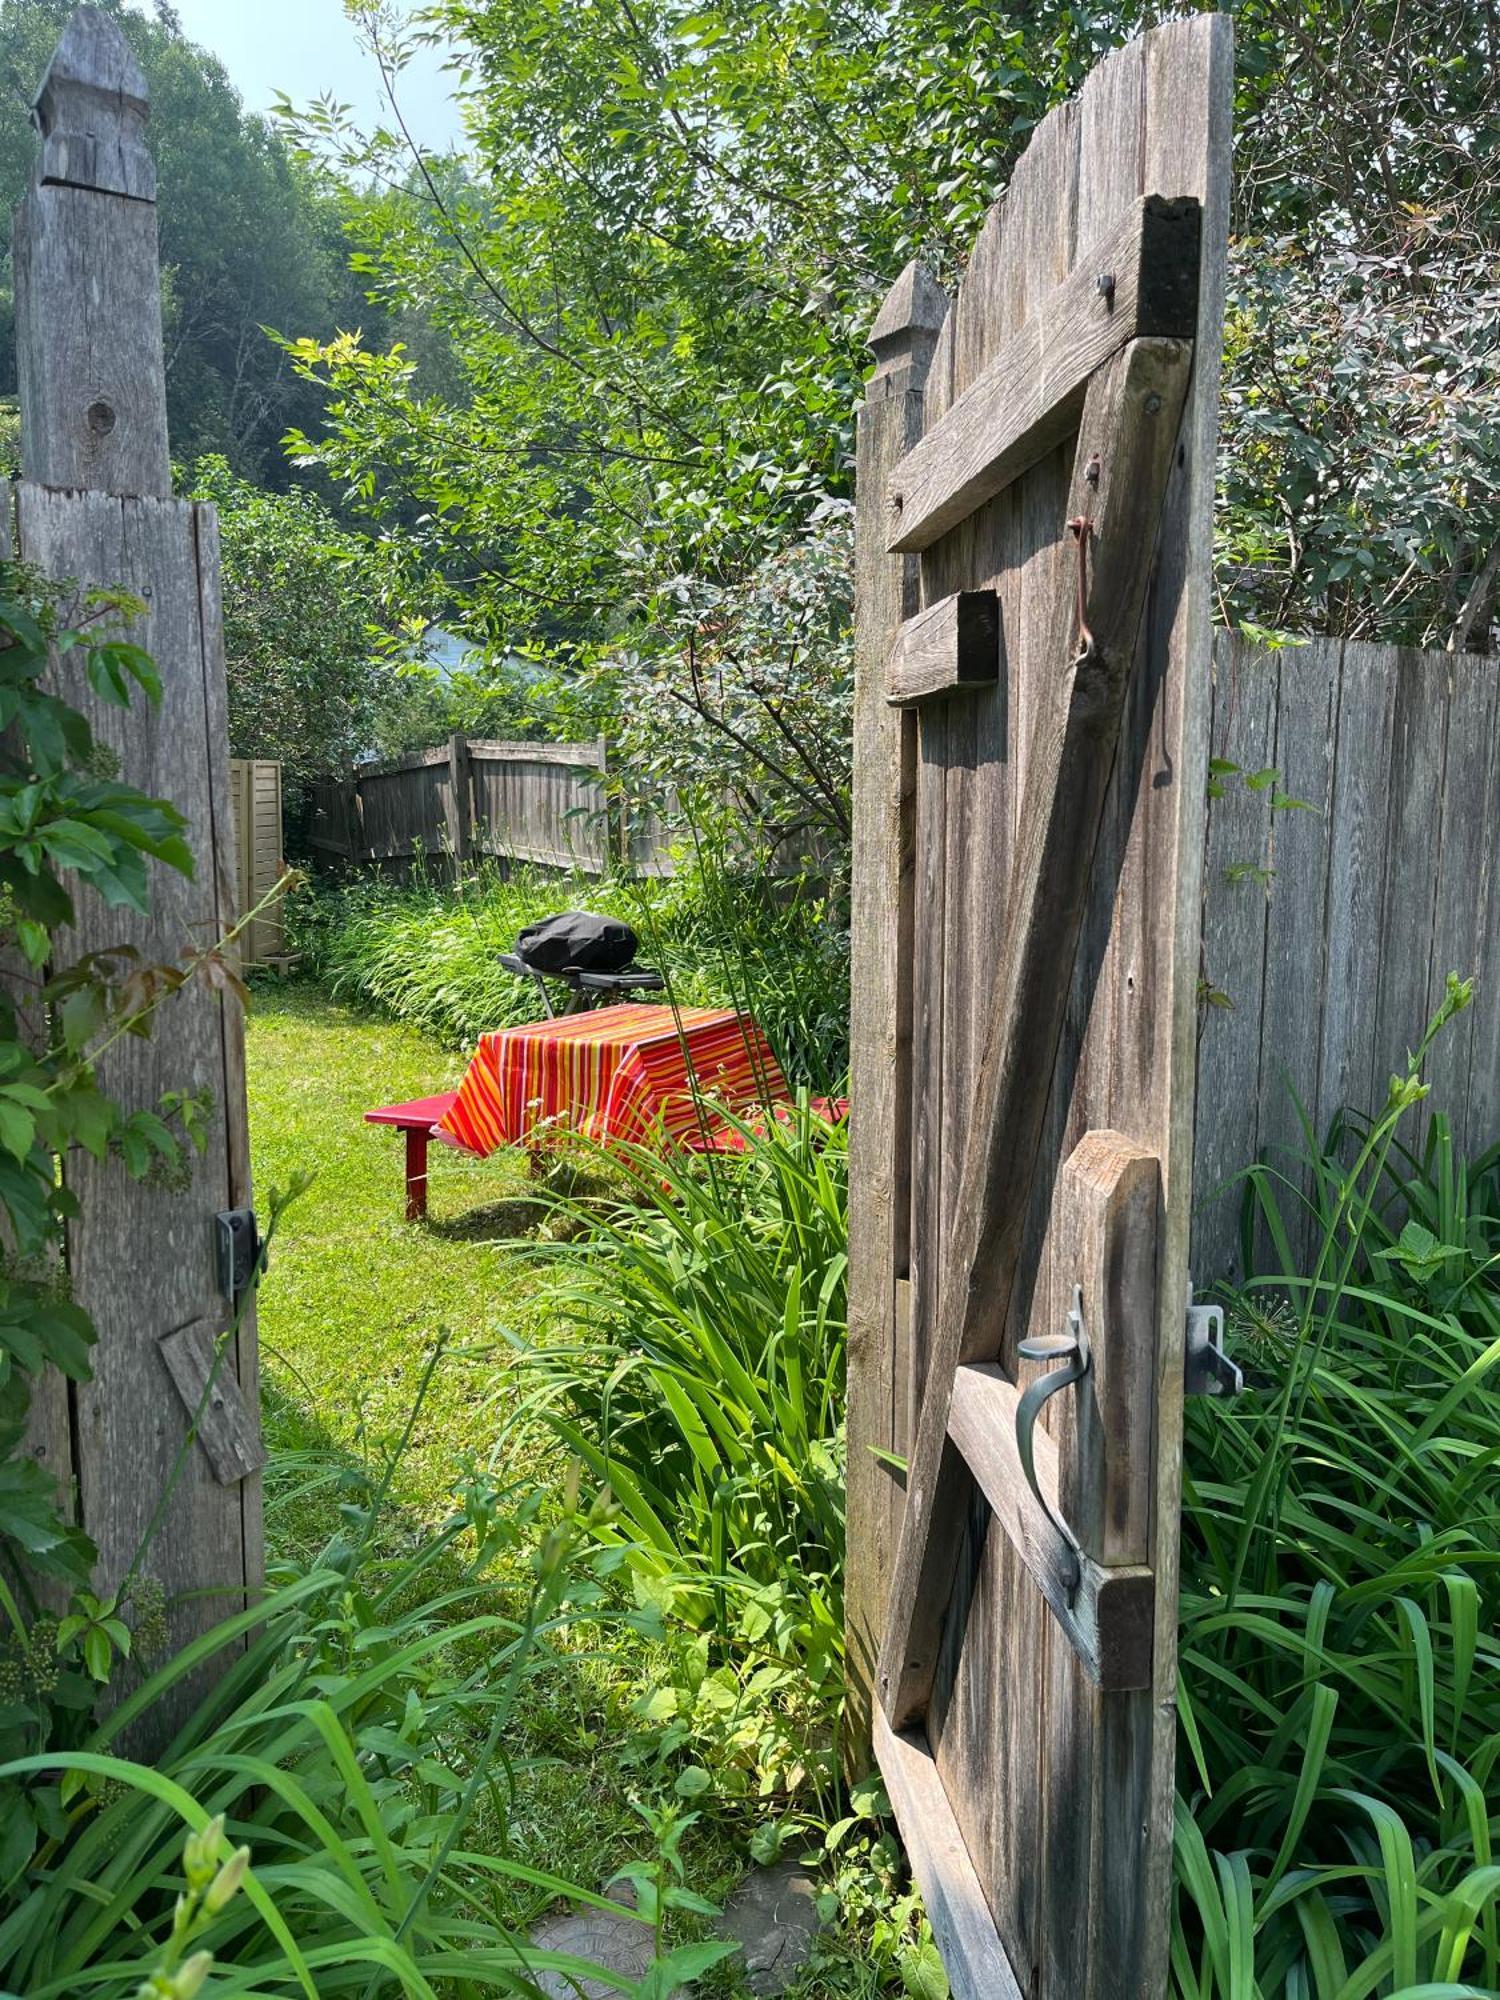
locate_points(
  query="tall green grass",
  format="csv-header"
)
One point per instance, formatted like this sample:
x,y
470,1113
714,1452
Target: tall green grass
x,y
353,1733
699,1373
1340,1670
428,953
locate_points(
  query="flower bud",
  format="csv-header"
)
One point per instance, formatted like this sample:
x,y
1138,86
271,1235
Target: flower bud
x,y
191,1975
200,1852
226,1882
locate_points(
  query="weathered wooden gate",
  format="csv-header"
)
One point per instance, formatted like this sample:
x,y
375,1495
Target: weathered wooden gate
x,y
1036,469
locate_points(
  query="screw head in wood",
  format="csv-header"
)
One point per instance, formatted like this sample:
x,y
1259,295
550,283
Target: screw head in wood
x,y
1104,285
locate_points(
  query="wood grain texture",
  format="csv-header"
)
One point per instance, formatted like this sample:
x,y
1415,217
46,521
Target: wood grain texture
x,y
92,111
88,291
952,1894
1109,1198
1106,1615
947,648
1332,926
225,1428
1062,1792
880,985
1130,425
1031,395
128,1420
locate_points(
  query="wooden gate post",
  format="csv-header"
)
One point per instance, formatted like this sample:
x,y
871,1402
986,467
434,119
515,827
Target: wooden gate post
x,y
94,504
903,337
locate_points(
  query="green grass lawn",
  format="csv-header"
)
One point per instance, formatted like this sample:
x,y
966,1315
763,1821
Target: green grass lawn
x,y
350,1308
355,1296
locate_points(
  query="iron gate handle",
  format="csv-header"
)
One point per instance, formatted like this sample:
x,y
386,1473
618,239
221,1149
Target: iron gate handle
x,y
1071,1349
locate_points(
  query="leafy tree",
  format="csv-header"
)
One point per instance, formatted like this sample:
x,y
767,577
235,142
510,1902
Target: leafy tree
x,y
309,661
657,267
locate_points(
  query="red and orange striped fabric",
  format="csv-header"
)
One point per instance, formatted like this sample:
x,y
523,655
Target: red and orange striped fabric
x,y
637,1073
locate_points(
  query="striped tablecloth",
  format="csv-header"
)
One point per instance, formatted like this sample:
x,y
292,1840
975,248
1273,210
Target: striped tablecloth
x,y
640,1074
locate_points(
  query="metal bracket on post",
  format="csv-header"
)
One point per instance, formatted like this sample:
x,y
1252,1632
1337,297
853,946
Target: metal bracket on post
x,y
1208,1369
238,1245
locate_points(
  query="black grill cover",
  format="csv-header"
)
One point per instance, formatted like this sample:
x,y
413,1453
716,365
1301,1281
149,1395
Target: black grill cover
x,y
595,944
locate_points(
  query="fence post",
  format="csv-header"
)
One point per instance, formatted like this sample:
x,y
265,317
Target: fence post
x,y
95,505
460,803
903,337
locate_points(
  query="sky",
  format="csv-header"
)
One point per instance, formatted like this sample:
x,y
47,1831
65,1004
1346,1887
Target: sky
x,y
305,47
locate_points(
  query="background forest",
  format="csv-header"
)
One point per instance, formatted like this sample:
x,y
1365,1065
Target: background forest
x,y
581,393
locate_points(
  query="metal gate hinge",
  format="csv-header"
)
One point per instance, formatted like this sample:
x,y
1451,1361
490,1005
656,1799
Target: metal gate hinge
x,y
238,1252
1208,1370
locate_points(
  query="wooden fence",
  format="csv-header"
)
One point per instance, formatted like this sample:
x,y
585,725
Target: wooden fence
x,y
544,803
533,802
255,796
1330,925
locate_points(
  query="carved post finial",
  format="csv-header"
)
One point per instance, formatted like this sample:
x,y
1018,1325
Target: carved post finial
x,y
87,277
92,110
907,326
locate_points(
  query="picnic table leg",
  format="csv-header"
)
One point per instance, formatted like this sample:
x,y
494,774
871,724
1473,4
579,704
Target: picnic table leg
x,y
416,1173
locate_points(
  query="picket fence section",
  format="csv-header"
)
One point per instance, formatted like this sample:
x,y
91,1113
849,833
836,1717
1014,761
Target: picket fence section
x,y
1331,924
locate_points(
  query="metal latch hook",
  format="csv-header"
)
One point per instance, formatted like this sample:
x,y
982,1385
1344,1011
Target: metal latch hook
x,y
1070,1351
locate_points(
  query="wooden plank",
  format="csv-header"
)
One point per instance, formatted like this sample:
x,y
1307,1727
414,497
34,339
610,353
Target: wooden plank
x,y
225,1428
459,802
989,1745
1189,108
1131,422
1307,691
952,1896
946,648
903,337
1032,394
1356,881
1419,751
128,1421
87,287
1110,1192
483,749
1233,953
1107,1613
1465,928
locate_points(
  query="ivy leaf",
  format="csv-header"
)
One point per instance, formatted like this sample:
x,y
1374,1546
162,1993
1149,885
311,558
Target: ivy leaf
x,y
17,1126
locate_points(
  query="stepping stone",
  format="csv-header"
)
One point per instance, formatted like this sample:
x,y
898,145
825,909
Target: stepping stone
x,y
622,1943
773,1916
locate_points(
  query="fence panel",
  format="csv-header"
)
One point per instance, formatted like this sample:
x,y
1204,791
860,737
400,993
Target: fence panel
x,y
542,802
1331,924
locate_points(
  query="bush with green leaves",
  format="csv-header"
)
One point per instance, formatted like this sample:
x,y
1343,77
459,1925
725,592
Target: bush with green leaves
x,y
1340,1673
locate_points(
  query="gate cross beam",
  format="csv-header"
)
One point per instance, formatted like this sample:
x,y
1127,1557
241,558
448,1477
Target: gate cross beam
x,y
1131,413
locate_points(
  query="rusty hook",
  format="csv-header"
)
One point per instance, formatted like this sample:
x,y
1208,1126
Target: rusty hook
x,y
1081,527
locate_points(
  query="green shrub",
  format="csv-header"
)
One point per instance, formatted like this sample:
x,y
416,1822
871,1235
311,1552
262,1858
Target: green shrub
x,y
1340,1673
427,953
701,1379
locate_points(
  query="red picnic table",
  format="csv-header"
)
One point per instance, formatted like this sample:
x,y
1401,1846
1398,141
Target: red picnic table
x,y
641,1075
